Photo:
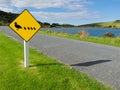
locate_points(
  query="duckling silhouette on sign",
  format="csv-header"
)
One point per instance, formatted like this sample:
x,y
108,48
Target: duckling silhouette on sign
x,y
24,27
28,28
34,28
17,26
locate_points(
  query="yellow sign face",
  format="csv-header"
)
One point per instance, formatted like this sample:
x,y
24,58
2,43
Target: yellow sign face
x,y
25,25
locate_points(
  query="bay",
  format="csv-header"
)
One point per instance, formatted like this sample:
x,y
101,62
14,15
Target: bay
x,y
91,31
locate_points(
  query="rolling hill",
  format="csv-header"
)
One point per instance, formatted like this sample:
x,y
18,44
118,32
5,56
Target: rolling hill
x,y
6,18
111,24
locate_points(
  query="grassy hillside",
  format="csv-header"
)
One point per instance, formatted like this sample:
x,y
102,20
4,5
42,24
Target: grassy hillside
x,y
112,24
44,73
6,18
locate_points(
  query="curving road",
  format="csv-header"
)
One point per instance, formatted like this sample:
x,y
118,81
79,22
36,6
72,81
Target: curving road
x,y
99,61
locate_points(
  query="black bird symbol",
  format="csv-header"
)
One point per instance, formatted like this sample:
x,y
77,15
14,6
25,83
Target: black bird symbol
x,y
25,28
31,28
28,28
34,28
17,26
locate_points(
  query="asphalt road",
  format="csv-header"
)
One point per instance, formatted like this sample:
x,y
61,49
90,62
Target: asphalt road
x,y
99,61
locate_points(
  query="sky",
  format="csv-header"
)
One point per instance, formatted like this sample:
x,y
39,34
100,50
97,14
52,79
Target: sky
x,y
76,12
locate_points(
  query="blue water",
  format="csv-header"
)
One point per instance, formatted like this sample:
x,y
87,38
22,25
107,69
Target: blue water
x,y
90,31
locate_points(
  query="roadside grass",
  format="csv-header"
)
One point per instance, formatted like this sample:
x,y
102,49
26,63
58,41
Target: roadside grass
x,y
44,72
101,40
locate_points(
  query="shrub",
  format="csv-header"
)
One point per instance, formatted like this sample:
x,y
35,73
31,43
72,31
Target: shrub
x,y
48,31
109,34
82,33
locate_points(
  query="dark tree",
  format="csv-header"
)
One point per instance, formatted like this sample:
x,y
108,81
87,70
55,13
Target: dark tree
x,y
46,24
55,25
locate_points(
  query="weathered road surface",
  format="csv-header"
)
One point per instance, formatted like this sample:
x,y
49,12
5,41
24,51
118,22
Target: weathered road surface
x,y
99,61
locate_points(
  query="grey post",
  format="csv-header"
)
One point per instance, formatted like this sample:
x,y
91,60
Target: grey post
x,y
26,54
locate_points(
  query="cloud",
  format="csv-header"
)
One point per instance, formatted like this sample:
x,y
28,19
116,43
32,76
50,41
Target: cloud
x,y
74,9
66,15
69,4
6,9
5,6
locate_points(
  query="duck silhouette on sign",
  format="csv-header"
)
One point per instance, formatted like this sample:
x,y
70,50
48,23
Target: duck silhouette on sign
x,y
17,26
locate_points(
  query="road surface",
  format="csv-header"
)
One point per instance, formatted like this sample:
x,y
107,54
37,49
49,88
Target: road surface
x,y
99,61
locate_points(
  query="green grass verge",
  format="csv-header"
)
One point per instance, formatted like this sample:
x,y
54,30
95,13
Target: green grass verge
x,y
101,40
44,73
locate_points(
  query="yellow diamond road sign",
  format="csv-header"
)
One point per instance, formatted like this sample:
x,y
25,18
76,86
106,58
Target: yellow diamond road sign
x,y
25,25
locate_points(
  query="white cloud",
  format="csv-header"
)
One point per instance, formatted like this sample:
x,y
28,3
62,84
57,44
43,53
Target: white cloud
x,y
69,4
40,4
5,6
6,9
75,9
4,3
66,15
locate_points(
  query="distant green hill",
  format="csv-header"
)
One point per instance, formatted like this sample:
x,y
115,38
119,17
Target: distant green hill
x,y
6,18
112,24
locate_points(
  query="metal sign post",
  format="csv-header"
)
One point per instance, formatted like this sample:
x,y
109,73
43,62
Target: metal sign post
x,y
26,54
25,25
